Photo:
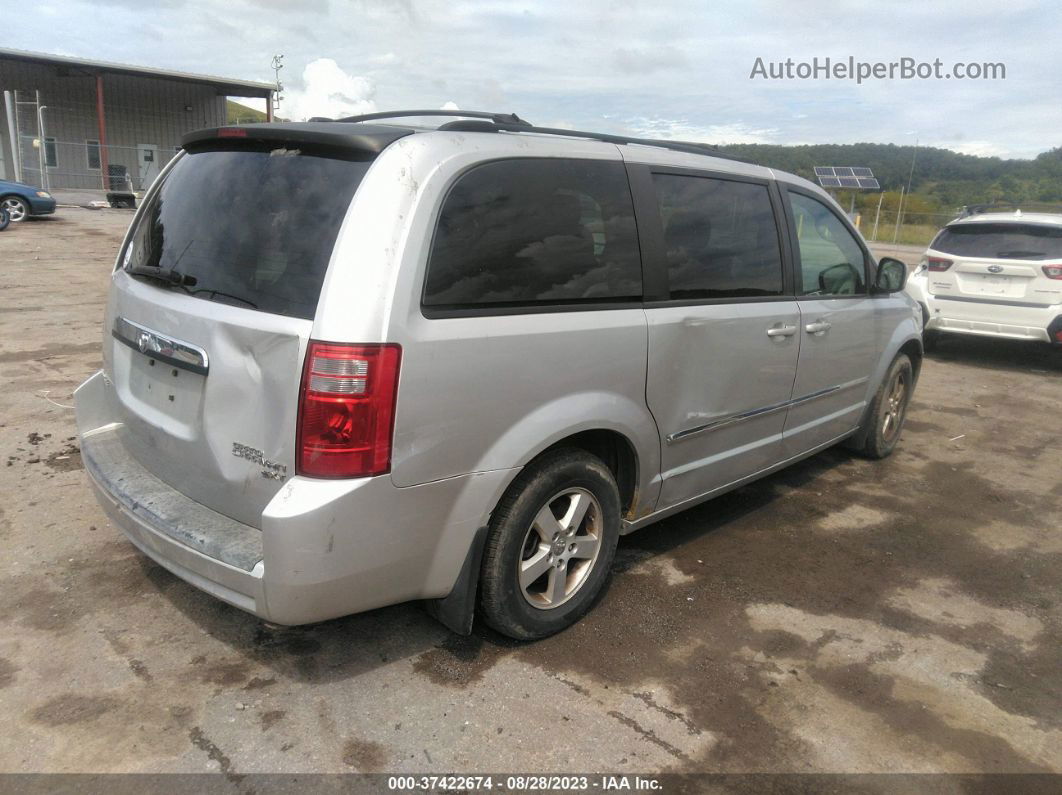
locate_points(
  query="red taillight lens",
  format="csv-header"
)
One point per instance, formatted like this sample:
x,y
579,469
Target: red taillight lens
x,y
938,264
347,409
232,132
1053,271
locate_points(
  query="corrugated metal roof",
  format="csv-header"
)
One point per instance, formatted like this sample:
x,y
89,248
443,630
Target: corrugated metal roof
x,y
236,88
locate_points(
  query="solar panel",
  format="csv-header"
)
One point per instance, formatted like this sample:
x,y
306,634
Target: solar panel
x,y
859,177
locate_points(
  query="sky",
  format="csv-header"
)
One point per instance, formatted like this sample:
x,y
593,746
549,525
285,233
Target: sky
x,y
661,69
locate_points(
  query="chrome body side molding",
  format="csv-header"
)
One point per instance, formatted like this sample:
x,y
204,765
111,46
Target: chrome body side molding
x,y
723,422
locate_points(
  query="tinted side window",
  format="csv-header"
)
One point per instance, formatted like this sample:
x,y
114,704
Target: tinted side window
x,y
831,261
535,232
720,238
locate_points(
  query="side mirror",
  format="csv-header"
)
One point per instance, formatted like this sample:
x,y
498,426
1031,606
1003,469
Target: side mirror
x,y
891,276
840,279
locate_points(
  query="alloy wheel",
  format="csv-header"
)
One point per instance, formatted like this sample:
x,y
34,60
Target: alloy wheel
x,y
893,408
16,210
560,548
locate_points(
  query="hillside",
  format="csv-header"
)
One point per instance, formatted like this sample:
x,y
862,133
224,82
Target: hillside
x,y
241,114
942,179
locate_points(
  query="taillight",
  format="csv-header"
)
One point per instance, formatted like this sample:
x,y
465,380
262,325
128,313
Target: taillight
x,y
347,409
938,263
1053,271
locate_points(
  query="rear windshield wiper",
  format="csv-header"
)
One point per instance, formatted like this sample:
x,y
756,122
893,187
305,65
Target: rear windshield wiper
x,y
173,278
213,293
164,275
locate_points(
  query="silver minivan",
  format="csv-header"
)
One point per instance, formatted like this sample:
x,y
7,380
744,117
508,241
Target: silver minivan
x,y
353,363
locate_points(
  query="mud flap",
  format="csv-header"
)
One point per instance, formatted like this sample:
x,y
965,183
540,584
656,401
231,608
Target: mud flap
x,y
457,609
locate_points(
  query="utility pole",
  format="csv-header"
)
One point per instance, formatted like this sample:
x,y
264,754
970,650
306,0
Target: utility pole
x,y
41,149
274,102
877,215
910,176
896,233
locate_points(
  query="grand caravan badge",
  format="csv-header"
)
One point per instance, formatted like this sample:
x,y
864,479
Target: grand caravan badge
x,y
271,469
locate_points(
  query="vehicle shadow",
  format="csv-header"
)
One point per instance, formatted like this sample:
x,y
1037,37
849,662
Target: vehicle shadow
x,y
330,651
998,354
348,647
715,514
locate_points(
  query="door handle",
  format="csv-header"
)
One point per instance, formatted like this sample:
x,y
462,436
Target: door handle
x,y
781,330
818,327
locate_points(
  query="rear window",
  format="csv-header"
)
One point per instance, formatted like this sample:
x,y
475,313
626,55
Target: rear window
x,y
253,228
535,232
1001,241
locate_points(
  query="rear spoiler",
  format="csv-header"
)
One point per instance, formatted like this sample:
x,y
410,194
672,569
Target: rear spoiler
x,y
368,138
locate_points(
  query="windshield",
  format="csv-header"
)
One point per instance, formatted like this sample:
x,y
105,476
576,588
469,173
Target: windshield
x,y
1001,241
249,228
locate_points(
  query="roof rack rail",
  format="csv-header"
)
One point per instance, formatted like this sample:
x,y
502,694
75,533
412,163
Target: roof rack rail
x,y
482,121
501,118
690,147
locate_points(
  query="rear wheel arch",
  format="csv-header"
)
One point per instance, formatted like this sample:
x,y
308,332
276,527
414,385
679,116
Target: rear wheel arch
x,y
616,452
913,349
614,449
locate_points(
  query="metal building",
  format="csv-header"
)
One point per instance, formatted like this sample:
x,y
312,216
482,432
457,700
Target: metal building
x,y
71,123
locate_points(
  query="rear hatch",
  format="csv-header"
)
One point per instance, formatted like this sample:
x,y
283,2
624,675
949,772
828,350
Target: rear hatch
x,y
211,309
997,262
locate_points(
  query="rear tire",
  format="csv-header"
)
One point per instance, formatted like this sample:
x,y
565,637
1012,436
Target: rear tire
x,y
888,409
17,209
550,547
4,219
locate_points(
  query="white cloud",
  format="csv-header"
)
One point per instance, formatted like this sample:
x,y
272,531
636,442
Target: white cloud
x,y
451,105
668,69
682,130
646,60
328,91
979,148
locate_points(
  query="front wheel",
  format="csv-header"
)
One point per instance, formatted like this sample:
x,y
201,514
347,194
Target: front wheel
x,y
5,219
552,540
888,410
16,208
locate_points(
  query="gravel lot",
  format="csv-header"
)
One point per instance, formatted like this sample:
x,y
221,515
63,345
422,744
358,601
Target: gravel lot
x,y
843,615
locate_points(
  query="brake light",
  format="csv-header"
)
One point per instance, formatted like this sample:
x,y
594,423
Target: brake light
x,y
232,132
346,410
1053,271
938,264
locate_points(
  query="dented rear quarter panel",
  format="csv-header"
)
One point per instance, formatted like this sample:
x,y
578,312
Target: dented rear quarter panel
x,y
485,393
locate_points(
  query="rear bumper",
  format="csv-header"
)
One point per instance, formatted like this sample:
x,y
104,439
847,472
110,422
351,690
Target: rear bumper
x,y
991,319
326,548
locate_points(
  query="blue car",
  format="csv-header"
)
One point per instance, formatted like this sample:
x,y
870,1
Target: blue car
x,y
21,201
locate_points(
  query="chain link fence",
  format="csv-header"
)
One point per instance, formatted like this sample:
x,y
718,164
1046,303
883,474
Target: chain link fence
x,y
916,229
72,165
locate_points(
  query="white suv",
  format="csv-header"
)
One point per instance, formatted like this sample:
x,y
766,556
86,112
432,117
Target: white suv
x,y
993,274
